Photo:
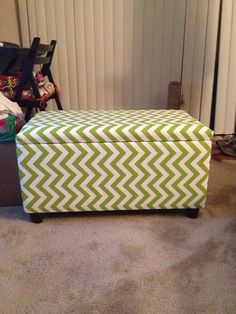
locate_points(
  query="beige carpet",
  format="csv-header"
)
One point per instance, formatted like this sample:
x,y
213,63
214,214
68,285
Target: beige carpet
x,y
130,263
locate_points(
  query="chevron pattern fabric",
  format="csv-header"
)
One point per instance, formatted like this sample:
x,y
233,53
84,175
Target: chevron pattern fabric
x,y
113,160
113,176
113,126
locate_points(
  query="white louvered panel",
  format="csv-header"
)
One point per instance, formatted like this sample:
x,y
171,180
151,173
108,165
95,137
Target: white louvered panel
x,y
221,98
190,24
80,54
166,49
36,11
123,53
210,54
99,53
198,61
108,53
24,22
157,38
62,52
230,115
40,11
118,53
138,53
71,53
51,34
177,39
90,53
147,52
230,112
32,19
128,26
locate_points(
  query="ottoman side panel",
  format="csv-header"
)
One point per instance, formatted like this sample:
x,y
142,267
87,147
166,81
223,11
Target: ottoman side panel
x,y
113,176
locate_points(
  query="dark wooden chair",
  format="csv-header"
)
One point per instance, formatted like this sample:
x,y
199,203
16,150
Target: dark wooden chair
x,y
38,54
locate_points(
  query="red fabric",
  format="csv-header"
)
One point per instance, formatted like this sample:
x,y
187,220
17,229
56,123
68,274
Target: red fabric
x,y
3,124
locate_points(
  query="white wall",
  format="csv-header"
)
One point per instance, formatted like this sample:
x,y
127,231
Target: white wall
x,y
9,26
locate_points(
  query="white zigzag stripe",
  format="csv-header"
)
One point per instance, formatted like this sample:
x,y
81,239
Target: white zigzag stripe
x,y
113,132
164,175
177,175
23,138
91,175
48,133
75,133
101,133
199,169
196,180
151,173
190,132
73,182
165,133
95,164
178,132
26,177
139,130
204,130
151,132
66,175
120,164
88,133
61,133
109,184
38,177
133,184
46,166
30,196
189,174
207,165
20,159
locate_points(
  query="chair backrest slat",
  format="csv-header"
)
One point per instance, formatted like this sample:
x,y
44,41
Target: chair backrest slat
x,y
45,48
46,67
42,60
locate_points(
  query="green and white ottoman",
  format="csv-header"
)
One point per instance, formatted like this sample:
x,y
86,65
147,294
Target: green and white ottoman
x,y
73,161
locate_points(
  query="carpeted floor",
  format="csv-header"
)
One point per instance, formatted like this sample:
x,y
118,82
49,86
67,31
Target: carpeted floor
x,y
123,263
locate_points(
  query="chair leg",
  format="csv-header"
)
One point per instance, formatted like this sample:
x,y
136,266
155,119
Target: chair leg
x,y
192,212
28,113
36,218
58,102
9,66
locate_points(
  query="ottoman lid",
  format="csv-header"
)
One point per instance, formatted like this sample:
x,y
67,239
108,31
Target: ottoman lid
x,y
112,126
